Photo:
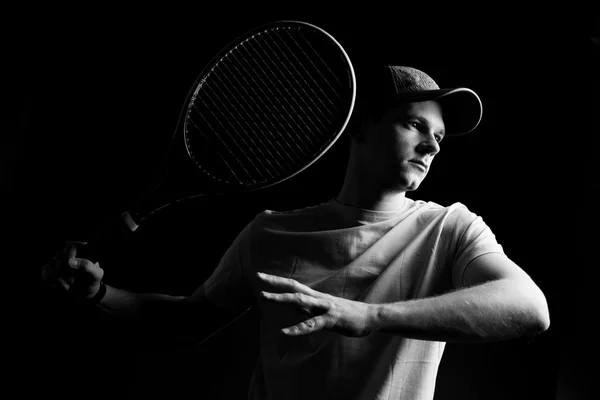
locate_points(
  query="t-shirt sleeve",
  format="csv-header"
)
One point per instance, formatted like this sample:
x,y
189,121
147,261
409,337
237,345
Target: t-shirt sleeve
x,y
473,238
228,286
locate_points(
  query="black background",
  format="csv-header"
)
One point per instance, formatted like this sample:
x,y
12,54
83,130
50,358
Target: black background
x,y
98,97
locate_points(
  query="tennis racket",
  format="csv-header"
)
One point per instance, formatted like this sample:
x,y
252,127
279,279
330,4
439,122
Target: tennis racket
x,y
269,105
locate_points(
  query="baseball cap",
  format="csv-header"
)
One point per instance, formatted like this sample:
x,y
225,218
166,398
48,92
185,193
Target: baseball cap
x,y
461,107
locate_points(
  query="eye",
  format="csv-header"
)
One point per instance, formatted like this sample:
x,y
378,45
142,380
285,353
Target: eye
x,y
439,138
413,124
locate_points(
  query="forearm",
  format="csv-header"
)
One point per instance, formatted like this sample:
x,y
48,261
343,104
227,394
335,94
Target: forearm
x,y
182,317
495,310
134,306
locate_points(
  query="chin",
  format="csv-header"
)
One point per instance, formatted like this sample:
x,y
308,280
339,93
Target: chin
x,y
412,187
407,183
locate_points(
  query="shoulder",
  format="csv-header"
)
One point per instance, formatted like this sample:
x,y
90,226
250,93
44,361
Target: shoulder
x,y
452,214
455,220
462,225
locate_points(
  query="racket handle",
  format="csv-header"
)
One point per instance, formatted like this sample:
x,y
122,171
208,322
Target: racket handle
x,y
129,222
117,231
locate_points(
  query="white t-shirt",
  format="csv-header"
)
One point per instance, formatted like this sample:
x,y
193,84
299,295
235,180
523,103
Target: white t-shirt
x,y
418,251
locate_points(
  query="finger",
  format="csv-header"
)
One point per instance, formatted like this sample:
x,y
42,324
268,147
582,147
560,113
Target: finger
x,y
59,255
51,270
305,327
85,268
286,284
61,284
68,279
71,248
299,299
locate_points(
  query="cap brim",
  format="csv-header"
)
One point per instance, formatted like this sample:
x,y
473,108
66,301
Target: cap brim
x,y
461,107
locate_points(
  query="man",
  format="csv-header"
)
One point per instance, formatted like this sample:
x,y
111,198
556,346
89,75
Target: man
x,y
359,294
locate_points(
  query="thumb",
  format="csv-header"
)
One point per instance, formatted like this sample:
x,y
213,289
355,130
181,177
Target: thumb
x,y
71,248
79,263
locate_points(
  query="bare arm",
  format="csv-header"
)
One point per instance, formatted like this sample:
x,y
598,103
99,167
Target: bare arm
x,y
132,305
179,316
497,301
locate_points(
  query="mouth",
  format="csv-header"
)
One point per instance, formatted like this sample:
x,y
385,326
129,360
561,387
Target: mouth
x,y
421,164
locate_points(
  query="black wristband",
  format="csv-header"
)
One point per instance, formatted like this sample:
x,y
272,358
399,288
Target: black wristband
x,y
99,295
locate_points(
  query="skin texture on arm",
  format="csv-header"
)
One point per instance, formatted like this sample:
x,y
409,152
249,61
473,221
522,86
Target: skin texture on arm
x,y
177,316
498,301
133,305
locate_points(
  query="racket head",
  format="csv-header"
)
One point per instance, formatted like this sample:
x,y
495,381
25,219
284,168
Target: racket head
x,y
268,106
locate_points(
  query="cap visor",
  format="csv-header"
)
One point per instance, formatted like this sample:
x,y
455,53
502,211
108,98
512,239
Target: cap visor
x,y
461,107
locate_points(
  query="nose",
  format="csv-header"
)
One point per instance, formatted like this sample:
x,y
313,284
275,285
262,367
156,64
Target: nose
x,y
428,146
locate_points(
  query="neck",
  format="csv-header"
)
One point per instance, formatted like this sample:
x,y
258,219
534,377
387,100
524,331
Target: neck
x,y
362,191
385,201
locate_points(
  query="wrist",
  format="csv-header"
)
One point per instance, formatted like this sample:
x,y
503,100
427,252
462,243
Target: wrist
x,y
389,317
97,298
374,317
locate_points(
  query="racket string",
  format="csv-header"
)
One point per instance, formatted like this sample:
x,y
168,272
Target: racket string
x,y
276,108
323,63
295,76
331,109
295,55
249,110
282,97
260,158
229,149
233,138
276,130
209,139
268,106
315,111
299,106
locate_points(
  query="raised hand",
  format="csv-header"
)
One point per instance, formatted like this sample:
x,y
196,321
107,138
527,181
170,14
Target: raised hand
x,y
347,317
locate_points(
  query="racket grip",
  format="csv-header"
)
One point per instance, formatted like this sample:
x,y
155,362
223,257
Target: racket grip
x,y
116,232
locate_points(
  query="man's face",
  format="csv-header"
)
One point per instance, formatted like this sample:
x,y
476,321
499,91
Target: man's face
x,y
398,150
